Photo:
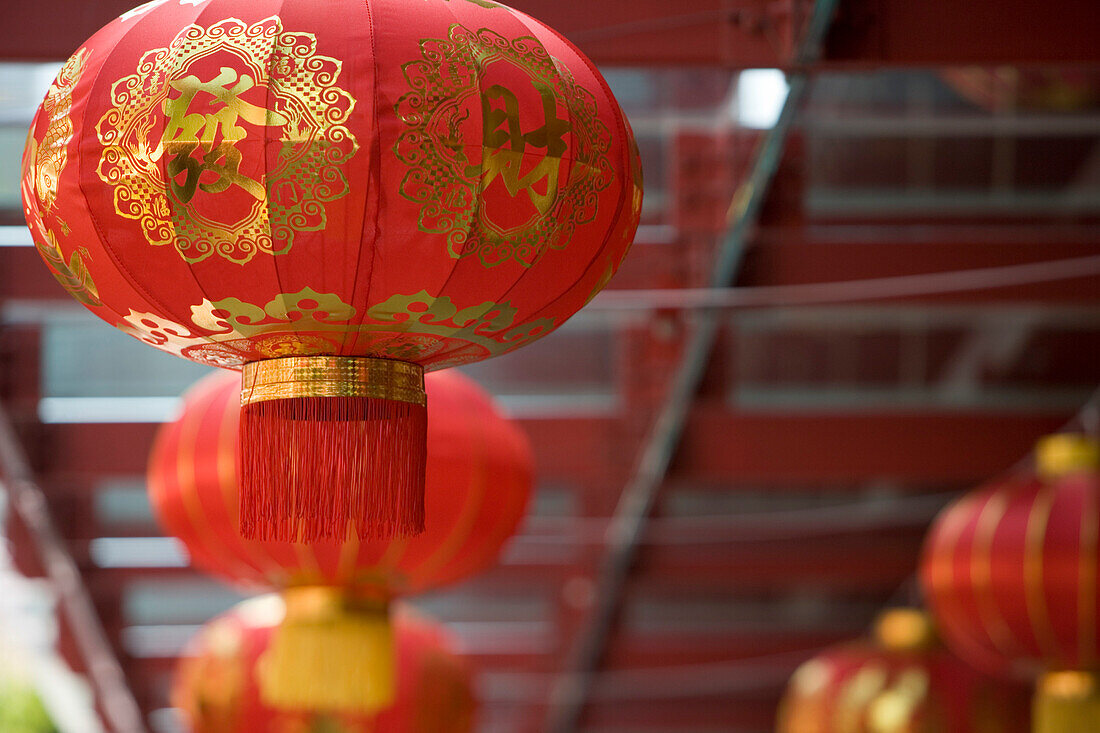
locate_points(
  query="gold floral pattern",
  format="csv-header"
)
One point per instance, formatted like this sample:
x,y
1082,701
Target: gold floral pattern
x,y
551,163
178,135
417,327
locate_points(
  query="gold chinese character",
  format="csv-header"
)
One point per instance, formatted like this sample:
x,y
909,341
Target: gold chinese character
x,y
186,134
505,144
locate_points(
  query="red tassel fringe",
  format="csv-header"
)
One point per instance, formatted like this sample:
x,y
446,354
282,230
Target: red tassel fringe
x,y
313,468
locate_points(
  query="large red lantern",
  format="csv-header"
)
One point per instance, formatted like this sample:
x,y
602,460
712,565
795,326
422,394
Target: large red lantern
x,y
1010,571
334,197
479,477
218,681
901,681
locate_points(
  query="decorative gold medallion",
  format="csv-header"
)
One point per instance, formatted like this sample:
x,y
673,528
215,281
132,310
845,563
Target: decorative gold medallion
x,y
542,157
228,141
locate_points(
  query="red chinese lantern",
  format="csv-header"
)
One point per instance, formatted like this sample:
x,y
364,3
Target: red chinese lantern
x,y
902,681
1010,571
218,682
479,476
334,197
1012,89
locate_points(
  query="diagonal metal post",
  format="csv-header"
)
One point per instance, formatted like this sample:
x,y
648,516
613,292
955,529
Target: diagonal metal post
x,y
118,703
570,692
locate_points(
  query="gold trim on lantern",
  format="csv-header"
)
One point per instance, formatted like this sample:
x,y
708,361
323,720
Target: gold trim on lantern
x,y
1065,453
332,376
314,602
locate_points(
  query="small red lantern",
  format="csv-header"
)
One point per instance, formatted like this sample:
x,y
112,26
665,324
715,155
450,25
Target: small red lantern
x,y
218,681
334,197
479,476
1010,571
902,681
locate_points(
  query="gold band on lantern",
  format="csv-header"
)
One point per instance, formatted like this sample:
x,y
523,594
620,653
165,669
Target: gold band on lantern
x,y
332,376
1067,702
315,602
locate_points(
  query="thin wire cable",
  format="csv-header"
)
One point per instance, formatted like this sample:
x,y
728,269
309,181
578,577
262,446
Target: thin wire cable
x,y
648,25
845,291
770,526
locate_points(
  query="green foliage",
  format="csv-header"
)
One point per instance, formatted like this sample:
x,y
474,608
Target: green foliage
x,y
21,710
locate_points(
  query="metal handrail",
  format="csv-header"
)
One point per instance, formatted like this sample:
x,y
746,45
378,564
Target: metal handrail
x,y
573,687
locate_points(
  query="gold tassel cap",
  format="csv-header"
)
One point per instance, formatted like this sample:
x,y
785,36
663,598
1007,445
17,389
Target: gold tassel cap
x,y
294,377
1066,453
905,630
331,653
1067,702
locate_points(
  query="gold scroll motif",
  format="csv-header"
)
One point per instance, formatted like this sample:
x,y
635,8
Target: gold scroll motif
x,y
229,332
551,161
44,162
627,232
179,135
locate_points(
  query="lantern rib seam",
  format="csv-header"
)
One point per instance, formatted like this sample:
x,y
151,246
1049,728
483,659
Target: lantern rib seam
x,y
151,301
521,19
197,20
374,177
624,136
477,203
96,226
398,335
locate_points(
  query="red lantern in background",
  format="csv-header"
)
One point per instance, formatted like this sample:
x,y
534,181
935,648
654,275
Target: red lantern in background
x,y
902,681
217,685
334,196
1010,571
479,476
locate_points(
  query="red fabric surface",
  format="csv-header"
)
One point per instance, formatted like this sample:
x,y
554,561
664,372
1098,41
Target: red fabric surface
x,y
479,477
1010,572
436,181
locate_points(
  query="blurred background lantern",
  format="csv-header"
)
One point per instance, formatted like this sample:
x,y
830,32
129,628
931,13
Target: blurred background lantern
x,y
334,197
1010,571
479,477
901,681
1010,88
217,685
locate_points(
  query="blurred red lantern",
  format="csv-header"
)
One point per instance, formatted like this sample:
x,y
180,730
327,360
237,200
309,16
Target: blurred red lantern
x,y
218,681
479,477
1008,89
902,681
1010,571
334,196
